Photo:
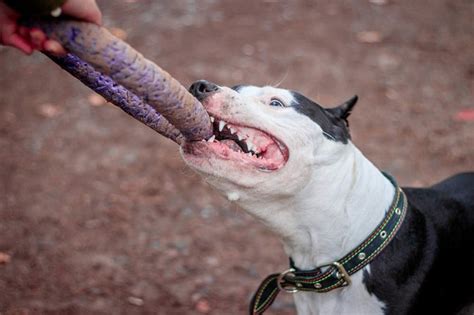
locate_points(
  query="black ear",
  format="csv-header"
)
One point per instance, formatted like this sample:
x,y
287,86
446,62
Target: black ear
x,y
344,110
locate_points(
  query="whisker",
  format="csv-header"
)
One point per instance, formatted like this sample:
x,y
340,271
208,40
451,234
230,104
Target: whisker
x,y
283,79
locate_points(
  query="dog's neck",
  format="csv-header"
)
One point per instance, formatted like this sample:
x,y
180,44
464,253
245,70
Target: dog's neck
x,y
334,213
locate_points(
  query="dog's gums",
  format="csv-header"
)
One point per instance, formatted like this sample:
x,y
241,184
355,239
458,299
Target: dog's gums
x,y
241,144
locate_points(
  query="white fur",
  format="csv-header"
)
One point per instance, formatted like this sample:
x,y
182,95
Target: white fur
x,y
324,202
266,93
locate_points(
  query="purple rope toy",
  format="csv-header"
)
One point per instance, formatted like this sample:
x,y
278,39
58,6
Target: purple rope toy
x,y
119,73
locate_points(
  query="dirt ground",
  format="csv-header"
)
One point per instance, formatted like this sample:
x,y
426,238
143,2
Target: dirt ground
x,y
99,215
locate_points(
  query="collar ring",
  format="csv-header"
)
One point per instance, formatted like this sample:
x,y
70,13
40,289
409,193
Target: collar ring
x,y
281,279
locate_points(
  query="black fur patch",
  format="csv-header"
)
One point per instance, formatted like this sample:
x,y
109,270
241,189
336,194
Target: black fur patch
x,y
334,128
428,266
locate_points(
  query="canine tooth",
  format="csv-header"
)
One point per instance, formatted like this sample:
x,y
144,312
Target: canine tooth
x,y
211,139
212,119
233,196
239,137
250,146
232,130
221,125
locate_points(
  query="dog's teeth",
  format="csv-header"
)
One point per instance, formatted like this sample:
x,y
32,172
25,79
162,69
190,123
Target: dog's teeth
x,y
212,119
239,137
250,146
221,125
249,153
211,139
232,131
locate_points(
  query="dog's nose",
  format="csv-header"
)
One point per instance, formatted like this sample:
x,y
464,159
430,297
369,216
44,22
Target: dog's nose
x,y
202,88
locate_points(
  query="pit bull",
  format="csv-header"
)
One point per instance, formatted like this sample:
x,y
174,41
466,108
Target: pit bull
x,y
292,165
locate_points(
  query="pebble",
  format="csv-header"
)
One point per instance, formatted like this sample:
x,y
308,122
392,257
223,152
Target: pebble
x,y
118,32
96,100
206,213
4,258
369,37
378,2
212,261
135,301
49,110
202,306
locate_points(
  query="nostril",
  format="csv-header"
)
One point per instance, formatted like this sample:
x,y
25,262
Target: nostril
x,y
202,88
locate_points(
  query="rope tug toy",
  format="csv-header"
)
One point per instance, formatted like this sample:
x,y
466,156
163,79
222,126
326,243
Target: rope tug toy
x,y
119,73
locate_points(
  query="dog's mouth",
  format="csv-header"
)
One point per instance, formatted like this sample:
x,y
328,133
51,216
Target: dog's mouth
x,y
246,145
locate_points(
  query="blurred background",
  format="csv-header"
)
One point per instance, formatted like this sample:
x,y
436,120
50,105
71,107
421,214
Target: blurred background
x,y
99,215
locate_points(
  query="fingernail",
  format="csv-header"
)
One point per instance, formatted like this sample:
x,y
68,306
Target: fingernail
x,y
54,47
37,37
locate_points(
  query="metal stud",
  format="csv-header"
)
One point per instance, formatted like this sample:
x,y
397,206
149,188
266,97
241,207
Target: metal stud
x,y
298,285
317,285
361,256
383,234
398,211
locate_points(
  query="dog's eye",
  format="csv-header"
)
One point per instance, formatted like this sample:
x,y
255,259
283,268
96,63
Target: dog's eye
x,y
276,102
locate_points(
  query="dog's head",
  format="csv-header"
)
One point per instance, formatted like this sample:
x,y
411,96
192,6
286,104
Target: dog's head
x,y
268,142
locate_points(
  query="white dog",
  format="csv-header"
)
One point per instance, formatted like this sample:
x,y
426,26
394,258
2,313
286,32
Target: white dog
x,y
291,164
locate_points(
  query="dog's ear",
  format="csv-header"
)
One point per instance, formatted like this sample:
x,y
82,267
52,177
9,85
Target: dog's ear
x,y
344,110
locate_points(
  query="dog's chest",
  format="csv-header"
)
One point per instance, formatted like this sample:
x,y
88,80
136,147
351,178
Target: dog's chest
x,y
352,300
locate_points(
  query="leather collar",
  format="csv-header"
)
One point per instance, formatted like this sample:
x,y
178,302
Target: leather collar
x,y
337,274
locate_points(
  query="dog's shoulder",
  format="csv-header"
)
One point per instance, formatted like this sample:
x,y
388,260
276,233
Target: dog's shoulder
x,y
426,266
446,203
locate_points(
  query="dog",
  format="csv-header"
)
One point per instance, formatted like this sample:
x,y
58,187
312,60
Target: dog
x,y
291,164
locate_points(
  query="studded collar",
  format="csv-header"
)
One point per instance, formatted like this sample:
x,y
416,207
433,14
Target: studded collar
x,y
337,274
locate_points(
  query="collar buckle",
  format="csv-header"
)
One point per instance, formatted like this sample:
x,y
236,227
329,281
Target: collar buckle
x,y
342,273
281,279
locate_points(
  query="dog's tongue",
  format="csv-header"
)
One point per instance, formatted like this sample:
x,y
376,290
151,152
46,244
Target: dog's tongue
x,y
232,145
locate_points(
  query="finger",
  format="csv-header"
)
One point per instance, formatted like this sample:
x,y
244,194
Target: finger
x,y
19,42
96,17
95,14
37,38
53,47
11,38
83,10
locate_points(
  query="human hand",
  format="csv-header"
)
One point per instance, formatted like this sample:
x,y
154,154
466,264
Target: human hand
x,y
30,39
